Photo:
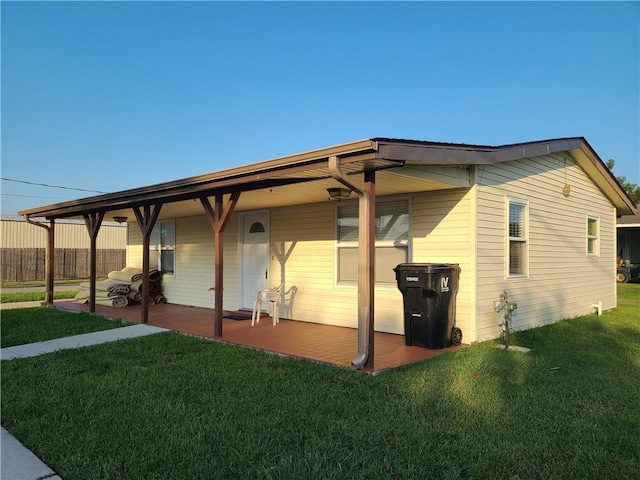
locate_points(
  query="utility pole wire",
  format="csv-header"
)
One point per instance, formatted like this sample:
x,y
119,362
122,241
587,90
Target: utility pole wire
x,y
51,186
33,196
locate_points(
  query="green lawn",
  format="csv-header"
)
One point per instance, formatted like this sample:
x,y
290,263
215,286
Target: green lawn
x,y
12,297
29,325
61,291
179,407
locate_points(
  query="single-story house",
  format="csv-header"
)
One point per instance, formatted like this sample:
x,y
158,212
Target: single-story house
x,y
536,220
628,230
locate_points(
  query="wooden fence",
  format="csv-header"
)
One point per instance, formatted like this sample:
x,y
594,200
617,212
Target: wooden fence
x,y
28,264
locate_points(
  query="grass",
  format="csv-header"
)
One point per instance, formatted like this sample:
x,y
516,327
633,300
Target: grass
x,y
41,283
172,406
29,325
60,292
628,293
12,297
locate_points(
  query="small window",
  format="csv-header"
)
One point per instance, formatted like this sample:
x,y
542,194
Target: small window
x,y
257,227
517,238
391,243
592,236
162,246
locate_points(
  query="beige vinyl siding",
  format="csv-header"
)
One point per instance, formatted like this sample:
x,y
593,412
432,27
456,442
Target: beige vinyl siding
x,y
21,234
302,255
308,234
303,246
195,262
562,281
442,231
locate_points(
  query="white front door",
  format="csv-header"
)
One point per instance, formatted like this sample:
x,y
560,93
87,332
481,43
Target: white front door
x,y
255,257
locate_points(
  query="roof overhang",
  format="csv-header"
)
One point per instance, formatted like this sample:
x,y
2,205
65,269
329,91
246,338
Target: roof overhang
x,y
421,153
356,157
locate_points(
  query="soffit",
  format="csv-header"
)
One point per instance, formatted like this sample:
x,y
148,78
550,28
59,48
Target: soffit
x,y
388,182
264,178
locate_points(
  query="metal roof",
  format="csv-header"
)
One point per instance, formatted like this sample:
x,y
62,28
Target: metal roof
x,y
356,157
18,218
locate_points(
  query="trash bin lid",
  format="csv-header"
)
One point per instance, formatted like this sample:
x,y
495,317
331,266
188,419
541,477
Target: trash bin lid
x,y
425,267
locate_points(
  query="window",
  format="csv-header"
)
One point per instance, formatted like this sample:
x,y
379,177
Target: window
x,y
517,238
257,227
162,246
391,243
592,236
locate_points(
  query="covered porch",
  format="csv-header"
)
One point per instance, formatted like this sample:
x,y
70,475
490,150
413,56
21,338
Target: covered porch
x,y
310,341
369,169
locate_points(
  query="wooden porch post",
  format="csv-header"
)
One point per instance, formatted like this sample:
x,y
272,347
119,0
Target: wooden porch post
x,y
50,265
367,260
93,221
218,218
146,222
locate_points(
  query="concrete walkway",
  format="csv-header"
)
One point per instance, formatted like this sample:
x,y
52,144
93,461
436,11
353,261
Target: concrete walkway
x,y
84,340
16,461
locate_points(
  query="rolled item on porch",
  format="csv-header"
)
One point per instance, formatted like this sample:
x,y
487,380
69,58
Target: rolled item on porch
x,y
137,286
82,296
111,286
134,296
157,298
127,277
103,298
132,274
118,301
119,289
155,276
133,270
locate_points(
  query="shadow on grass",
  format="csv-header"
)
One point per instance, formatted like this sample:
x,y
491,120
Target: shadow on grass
x,y
567,409
170,406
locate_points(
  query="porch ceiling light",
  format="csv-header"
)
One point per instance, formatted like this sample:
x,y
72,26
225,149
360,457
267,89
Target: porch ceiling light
x,y
120,219
338,193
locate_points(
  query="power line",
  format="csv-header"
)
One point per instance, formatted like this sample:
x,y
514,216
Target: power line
x,y
50,186
32,196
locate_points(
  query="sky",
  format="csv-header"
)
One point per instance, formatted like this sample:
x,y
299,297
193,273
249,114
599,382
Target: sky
x,y
108,96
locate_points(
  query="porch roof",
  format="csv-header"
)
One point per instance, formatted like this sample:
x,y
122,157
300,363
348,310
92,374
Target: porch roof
x,y
284,177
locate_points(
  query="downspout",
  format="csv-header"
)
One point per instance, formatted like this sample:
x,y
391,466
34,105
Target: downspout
x,y
366,261
49,254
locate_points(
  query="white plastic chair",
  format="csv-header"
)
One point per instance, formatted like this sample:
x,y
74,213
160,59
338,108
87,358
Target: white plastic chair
x,y
286,302
270,296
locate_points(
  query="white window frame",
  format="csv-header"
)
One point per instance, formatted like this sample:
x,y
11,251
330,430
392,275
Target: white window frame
x,y
353,244
156,245
593,240
521,239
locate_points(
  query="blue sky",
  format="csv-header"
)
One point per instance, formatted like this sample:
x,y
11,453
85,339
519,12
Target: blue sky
x,y
109,96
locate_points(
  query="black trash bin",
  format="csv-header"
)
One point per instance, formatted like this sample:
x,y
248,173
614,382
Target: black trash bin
x,y
429,295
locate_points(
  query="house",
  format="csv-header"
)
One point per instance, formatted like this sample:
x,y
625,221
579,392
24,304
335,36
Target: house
x,y
23,248
536,220
628,241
